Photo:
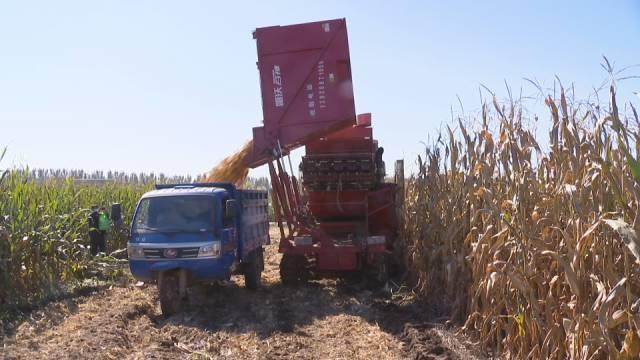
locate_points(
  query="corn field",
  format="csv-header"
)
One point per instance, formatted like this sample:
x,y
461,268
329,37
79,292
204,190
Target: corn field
x,y
43,232
536,252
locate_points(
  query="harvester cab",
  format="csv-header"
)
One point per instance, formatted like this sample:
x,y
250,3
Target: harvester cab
x,y
342,216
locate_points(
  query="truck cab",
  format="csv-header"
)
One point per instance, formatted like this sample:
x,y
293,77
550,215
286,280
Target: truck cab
x,y
186,233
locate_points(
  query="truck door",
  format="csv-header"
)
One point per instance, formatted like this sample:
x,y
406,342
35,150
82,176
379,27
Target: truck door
x,y
228,233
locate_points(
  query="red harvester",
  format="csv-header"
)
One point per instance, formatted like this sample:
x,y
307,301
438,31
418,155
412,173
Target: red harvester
x,y
341,216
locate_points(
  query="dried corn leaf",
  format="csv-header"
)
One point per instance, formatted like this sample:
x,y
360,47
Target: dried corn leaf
x,y
628,235
631,346
616,292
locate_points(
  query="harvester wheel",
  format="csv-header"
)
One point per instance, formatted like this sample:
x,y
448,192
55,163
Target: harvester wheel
x,y
252,271
168,288
377,271
293,270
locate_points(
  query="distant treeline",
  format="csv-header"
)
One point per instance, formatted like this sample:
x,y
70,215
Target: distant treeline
x,y
124,177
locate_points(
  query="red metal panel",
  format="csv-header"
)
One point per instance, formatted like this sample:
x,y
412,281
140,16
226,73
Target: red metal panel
x,y
332,204
353,139
305,79
353,133
347,146
381,212
364,119
344,231
338,259
361,130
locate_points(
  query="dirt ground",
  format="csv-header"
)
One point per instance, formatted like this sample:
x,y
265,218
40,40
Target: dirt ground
x,y
327,319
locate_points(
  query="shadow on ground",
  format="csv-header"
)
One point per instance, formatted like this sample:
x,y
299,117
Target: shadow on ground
x,y
276,309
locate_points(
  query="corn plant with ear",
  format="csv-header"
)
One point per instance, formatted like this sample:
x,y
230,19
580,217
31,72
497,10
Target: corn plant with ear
x,y
535,251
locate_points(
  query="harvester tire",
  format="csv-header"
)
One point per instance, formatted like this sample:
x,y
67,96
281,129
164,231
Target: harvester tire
x,y
168,288
293,270
377,272
252,271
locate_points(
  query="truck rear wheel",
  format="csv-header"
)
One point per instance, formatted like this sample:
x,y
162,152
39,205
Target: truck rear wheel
x,y
253,271
293,270
261,258
169,289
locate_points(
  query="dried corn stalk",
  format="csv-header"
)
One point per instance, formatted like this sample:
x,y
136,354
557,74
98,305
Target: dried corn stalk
x,y
516,238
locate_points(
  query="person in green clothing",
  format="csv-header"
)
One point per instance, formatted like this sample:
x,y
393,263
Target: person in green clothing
x,y
104,224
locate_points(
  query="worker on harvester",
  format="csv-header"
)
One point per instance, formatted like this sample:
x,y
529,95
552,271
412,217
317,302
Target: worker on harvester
x,y
380,169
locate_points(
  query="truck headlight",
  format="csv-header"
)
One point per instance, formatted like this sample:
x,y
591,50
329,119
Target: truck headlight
x,y
212,249
135,252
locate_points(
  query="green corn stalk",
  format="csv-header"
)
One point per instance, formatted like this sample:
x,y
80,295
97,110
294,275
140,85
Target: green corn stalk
x,y
43,231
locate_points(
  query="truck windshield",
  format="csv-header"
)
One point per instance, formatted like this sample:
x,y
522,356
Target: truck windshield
x,y
175,214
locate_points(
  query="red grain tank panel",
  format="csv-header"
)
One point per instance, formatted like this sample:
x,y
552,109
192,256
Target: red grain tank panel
x,y
343,204
353,139
305,80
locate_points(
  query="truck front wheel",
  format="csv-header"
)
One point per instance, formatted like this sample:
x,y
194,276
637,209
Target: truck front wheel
x,y
253,271
169,291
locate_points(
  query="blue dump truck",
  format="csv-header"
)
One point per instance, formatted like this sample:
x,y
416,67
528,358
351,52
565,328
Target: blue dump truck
x,y
204,232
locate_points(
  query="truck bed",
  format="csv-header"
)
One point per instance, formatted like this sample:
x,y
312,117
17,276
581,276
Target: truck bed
x,y
254,222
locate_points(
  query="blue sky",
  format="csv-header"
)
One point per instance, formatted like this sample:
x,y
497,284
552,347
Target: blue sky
x,y
172,86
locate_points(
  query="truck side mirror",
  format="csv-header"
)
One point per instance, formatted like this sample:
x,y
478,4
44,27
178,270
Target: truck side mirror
x,y
230,209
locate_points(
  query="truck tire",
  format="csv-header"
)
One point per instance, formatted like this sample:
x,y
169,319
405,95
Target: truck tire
x,y
252,271
293,270
261,258
168,288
